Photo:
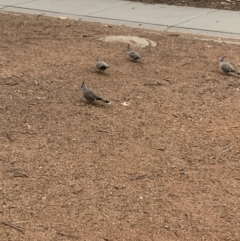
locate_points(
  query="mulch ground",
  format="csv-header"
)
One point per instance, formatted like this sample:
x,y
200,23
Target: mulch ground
x,y
217,4
166,167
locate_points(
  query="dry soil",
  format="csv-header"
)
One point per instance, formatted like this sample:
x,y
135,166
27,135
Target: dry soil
x,y
165,167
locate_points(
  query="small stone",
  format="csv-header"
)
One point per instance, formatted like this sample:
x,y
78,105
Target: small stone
x,y
125,103
10,137
63,18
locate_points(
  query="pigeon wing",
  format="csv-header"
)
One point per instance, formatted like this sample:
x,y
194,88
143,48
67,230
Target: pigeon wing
x,y
134,55
227,67
101,65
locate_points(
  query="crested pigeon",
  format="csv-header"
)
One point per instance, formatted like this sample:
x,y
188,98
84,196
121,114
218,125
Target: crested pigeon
x,y
133,54
227,68
101,66
91,95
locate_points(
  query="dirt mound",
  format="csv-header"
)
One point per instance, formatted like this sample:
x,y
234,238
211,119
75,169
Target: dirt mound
x,y
137,41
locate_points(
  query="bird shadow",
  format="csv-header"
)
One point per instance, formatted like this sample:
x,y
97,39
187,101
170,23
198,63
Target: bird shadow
x,y
95,71
135,61
101,73
97,104
226,74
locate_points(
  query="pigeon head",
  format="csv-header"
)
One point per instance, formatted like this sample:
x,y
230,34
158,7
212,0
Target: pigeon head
x,y
83,84
223,58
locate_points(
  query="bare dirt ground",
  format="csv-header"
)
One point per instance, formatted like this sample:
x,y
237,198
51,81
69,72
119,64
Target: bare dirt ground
x,y
166,167
233,5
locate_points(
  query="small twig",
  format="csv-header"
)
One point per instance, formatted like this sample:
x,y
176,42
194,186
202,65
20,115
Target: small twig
x,y
209,130
78,191
185,64
156,84
23,222
20,174
233,127
118,139
13,83
140,212
16,76
176,233
12,226
227,149
173,195
167,79
102,131
138,177
66,235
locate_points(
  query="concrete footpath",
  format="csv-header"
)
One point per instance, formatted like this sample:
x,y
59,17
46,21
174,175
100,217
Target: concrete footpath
x,y
203,21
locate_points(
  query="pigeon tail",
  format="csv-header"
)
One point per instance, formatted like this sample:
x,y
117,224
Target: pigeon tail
x,y
103,100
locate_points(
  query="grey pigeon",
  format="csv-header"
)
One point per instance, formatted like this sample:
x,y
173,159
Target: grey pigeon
x,y
91,95
133,54
101,66
226,67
